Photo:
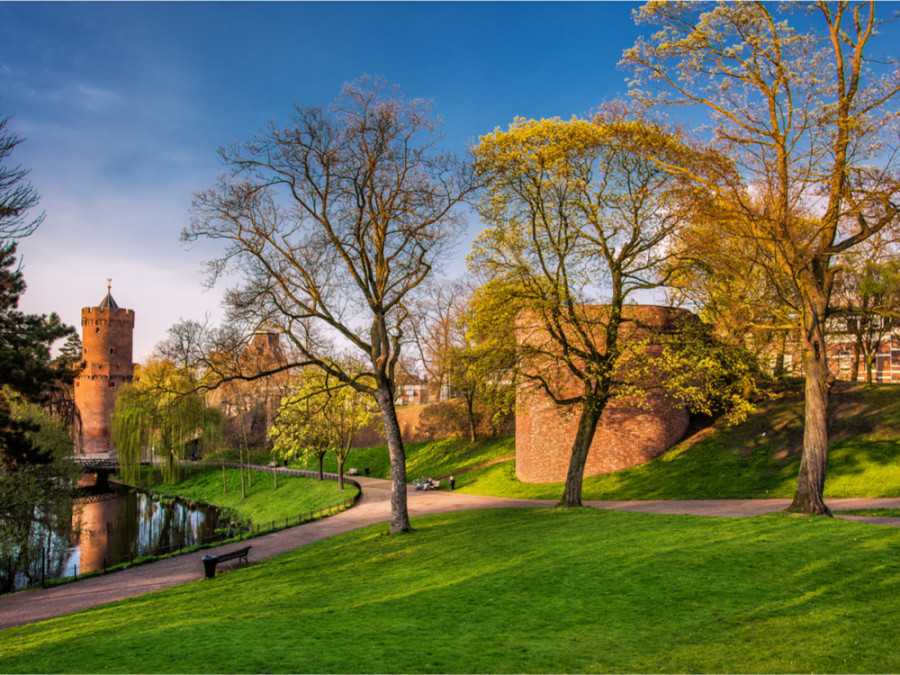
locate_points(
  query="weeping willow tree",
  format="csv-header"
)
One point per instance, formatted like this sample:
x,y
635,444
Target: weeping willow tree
x,y
159,418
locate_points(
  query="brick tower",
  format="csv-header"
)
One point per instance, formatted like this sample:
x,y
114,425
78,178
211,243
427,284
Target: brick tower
x,y
106,340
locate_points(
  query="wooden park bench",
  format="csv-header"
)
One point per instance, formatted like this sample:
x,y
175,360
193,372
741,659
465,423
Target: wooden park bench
x,y
210,561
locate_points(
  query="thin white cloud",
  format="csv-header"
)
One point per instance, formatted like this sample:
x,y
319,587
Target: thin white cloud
x,y
85,96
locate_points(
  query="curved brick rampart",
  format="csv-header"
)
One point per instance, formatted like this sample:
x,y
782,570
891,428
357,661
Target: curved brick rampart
x,y
629,432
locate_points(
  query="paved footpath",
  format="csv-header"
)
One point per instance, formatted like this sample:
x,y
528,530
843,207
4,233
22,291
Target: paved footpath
x,y
374,507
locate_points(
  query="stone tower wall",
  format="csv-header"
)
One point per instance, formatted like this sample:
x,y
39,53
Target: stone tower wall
x,y
629,432
107,336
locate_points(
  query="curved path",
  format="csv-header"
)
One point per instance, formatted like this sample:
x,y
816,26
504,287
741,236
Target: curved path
x,y
374,507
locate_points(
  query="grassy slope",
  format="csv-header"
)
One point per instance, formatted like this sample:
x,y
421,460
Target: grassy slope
x,y
759,458
434,458
539,590
263,503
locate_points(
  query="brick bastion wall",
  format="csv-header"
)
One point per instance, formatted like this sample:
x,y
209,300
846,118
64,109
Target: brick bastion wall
x,y
630,432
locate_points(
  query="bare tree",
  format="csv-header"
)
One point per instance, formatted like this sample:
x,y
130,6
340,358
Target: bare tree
x,y
436,328
17,196
334,221
186,343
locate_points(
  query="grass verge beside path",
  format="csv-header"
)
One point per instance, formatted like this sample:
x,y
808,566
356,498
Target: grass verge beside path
x,y
263,503
544,590
433,458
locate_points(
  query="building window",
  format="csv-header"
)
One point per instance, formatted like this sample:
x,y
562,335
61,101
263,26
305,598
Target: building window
x,y
97,329
845,360
111,384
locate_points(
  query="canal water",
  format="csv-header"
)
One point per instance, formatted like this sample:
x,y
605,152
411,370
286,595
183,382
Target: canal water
x,y
106,528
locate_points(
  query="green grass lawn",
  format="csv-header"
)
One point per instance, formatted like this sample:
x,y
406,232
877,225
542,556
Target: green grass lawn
x,y
263,503
878,513
543,590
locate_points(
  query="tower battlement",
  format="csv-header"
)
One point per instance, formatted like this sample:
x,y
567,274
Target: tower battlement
x,y
100,313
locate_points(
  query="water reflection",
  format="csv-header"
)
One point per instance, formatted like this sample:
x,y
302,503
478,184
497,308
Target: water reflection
x,y
103,528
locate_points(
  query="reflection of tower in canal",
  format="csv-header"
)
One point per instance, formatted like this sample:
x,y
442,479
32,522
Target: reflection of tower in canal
x,y
116,525
96,519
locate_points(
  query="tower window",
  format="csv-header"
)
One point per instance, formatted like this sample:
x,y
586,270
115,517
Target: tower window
x,y
97,329
111,384
113,350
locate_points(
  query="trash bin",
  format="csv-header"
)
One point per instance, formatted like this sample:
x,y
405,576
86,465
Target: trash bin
x,y
366,470
209,565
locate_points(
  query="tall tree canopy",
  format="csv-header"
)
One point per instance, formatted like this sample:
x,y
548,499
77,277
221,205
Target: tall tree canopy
x,y
36,480
808,121
574,218
334,221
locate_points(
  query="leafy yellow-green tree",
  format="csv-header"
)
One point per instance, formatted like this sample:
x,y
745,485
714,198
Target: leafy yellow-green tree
x,y
808,121
574,218
483,366
159,416
322,414
711,272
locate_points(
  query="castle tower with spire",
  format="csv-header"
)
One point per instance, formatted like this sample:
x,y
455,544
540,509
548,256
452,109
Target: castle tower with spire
x,y
106,339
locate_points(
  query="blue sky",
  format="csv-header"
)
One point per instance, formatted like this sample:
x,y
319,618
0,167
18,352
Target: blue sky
x,y
124,105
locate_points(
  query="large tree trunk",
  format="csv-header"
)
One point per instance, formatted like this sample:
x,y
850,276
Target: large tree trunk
x,y
399,513
854,364
241,464
591,410
808,499
470,412
778,372
870,366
